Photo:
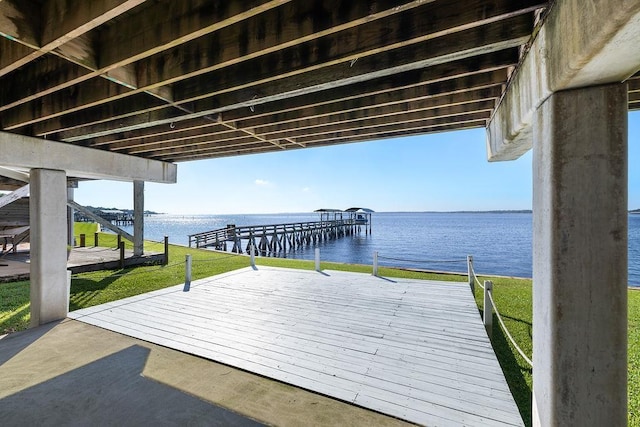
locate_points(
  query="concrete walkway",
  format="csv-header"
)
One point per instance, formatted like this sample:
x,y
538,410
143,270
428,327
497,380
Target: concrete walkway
x,y
73,374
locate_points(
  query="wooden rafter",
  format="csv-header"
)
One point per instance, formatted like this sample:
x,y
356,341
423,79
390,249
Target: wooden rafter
x,y
197,79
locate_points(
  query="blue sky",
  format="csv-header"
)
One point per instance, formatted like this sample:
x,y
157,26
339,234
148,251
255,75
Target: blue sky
x,y
439,172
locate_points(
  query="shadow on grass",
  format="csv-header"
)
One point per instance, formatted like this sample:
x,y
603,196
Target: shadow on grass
x,y
84,290
512,369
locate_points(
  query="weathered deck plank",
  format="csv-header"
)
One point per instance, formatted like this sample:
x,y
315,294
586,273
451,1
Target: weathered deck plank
x,y
413,349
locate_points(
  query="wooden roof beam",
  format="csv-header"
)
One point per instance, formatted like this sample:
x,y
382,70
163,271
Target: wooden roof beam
x,y
126,41
216,153
454,91
281,85
382,116
373,128
362,123
468,87
430,108
55,23
470,68
370,128
282,27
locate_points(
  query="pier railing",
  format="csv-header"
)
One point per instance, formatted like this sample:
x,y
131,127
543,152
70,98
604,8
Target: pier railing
x,y
489,305
273,237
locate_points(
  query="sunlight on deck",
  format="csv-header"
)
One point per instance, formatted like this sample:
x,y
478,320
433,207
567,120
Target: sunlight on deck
x,y
413,349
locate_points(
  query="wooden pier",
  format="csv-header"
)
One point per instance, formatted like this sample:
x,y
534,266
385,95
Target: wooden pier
x,y
274,238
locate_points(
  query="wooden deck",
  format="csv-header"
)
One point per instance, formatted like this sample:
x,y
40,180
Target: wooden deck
x,y
412,349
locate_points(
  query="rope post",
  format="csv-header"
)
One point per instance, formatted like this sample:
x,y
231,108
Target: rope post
x,y
472,284
375,263
487,315
187,273
317,259
83,240
253,255
96,239
121,246
166,250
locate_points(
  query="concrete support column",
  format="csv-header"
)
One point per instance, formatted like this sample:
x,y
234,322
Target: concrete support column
x,y
580,258
138,218
70,212
48,219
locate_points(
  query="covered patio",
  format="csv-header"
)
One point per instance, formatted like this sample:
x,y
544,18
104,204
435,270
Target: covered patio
x,y
125,89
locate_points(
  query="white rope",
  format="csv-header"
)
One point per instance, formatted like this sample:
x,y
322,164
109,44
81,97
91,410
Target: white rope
x,y
506,331
429,261
476,278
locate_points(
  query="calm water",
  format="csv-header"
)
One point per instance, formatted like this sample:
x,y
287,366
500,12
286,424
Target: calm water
x,y
499,242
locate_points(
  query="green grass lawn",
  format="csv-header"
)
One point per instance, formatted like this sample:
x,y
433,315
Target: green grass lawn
x,y
513,297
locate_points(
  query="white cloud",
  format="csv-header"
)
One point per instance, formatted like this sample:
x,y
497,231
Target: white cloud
x,y
306,189
262,182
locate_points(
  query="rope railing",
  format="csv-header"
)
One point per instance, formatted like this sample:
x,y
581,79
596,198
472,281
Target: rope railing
x,y
377,257
489,304
475,277
488,315
488,311
129,273
425,261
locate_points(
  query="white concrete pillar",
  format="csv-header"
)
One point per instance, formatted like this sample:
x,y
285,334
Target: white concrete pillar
x,y
48,220
70,223
580,258
138,218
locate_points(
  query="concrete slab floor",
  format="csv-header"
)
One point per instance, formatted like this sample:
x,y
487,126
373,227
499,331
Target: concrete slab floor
x,y
71,373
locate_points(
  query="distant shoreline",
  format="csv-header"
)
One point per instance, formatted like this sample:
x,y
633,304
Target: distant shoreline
x,y
522,211
497,211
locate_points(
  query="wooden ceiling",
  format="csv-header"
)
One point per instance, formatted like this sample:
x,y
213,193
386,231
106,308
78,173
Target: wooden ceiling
x,y
197,79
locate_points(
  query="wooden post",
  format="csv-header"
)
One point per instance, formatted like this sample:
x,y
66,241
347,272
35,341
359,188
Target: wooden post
x,y
187,273
121,246
95,239
83,240
487,315
375,263
472,284
119,240
253,254
317,259
166,250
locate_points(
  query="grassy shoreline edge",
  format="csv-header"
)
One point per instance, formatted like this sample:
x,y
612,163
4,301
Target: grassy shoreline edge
x,y
513,297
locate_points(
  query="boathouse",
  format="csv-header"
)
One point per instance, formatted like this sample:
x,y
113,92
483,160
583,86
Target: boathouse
x,y
128,89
